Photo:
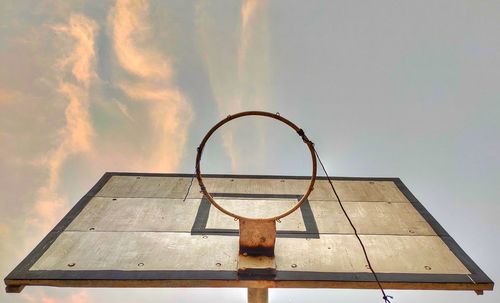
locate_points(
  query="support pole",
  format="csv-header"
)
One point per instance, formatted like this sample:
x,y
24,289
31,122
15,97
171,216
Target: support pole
x,y
257,295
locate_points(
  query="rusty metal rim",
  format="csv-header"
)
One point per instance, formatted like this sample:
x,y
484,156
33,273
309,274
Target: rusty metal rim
x,y
278,117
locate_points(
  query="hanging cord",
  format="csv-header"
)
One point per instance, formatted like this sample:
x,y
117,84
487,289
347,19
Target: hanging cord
x,y
384,296
189,188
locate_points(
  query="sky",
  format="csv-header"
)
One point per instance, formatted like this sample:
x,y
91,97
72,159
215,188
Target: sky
x,y
405,89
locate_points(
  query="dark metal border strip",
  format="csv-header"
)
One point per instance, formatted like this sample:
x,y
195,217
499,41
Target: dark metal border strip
x,y
200,223
232,275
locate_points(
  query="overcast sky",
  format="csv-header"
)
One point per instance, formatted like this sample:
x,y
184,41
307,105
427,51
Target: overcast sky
x,y
384,88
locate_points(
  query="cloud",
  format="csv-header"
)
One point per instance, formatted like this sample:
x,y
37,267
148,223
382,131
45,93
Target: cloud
x,y
82,56
124,110
76,135
248,12
130,34
238,72
7,96
3,229
81,296
170,113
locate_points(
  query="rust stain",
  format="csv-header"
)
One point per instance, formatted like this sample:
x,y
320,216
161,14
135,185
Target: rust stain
x,y
257,237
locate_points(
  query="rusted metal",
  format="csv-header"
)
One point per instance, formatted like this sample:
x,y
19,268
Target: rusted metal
x,y
300,282
257,240
257,295
14,289
257,237
256,266
278,117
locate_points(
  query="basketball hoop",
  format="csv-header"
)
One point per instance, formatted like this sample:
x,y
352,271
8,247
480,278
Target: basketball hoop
x,y
278,117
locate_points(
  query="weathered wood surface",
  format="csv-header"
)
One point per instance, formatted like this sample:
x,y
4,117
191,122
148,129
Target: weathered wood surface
x,y
182,251
140,223
160,214
367,191
256,208
176,187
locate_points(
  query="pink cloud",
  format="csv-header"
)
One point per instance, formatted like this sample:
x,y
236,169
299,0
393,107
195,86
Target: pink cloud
x,y
239,74
41,296
82,56
169,111
130,32
7,96
3,229
76,135
248,12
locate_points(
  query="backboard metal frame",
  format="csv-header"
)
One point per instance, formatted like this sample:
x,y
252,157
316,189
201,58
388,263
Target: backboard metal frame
x,y
21,276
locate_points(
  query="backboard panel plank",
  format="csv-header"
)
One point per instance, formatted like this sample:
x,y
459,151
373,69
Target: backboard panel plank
x,y
159,214
140,251
279,186
342,253
370,218
145,187
136,214
135,230
367,191
387,218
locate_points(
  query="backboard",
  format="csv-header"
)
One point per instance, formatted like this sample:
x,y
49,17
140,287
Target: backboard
x,y
136,230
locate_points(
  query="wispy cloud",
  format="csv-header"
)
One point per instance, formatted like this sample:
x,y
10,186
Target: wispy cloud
x,y
76,135
130,33
7,96
81,58
3,229
248,12
169,111
124,110
238,73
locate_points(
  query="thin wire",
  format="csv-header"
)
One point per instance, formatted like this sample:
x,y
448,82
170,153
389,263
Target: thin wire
x,y
384,296
189,188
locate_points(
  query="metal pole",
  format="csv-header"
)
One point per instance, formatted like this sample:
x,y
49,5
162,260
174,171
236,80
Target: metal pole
x,y
257,295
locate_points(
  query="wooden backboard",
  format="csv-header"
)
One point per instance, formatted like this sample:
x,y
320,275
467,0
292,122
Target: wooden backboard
x,y
135,230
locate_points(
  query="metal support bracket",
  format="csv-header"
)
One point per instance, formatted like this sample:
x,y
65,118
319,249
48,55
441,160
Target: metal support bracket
x,y
257,241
